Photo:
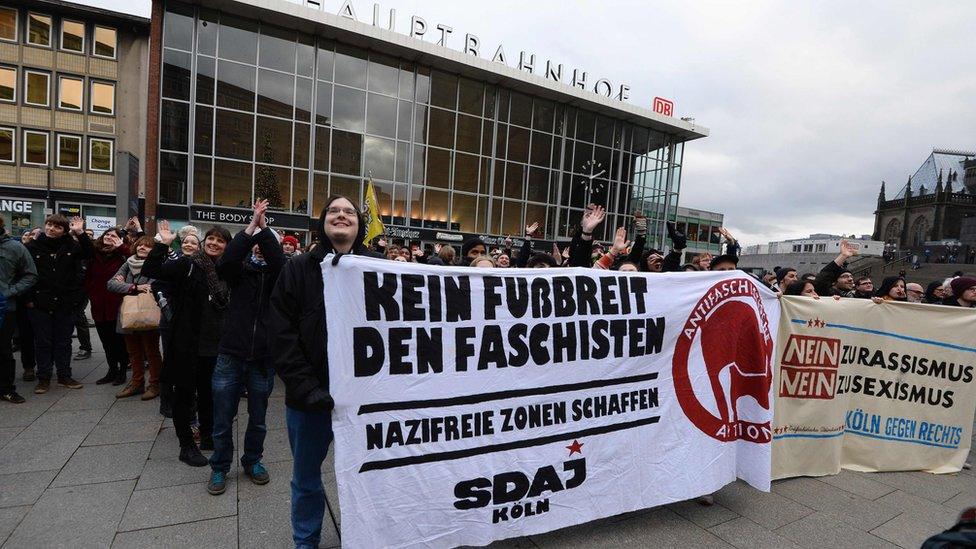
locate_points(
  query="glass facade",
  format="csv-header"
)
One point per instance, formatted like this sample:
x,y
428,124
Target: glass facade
x,y
251,110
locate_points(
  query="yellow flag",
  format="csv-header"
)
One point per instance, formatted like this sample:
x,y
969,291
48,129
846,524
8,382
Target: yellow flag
x,y
374,225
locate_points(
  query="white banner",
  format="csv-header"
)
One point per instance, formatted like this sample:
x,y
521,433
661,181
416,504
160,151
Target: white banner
x,y
474,405
873,387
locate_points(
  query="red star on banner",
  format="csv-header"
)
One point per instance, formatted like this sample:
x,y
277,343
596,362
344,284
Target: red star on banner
x,y
810,324
575,448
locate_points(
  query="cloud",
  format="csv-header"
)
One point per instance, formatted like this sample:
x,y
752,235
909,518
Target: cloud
x,y
810,104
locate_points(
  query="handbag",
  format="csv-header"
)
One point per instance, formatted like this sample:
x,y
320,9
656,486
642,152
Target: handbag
x,y
140,312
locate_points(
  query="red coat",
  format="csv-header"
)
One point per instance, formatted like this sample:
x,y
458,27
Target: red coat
x,y
104,304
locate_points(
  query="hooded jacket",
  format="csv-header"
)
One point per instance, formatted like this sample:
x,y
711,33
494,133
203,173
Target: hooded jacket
x,y
245,330
59,263
297,325
17,271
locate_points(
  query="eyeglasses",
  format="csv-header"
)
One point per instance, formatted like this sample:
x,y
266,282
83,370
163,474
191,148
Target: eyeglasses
x,y
867,283
336,210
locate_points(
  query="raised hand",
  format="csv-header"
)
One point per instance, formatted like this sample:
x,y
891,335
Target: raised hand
x,y
640,222
556,254
592,218
111,239
508,241
847,249
678,239
437,248
133,225
76,226
725,232
531,229
166,236
620,241
381,242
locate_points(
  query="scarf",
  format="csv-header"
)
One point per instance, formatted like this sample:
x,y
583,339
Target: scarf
x,y
216,288
135,265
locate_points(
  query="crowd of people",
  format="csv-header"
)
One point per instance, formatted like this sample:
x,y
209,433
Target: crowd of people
x,y
234,311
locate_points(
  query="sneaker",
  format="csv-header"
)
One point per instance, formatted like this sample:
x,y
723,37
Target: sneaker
x,y
206,444
12,397
257,473
130,390
217,484
82,355
69,382
191,456
43,385
29,374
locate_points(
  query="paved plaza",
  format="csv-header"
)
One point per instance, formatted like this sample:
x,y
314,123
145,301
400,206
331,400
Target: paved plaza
x,y
82,469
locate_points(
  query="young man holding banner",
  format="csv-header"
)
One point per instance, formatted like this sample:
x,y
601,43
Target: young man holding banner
x,y
297,327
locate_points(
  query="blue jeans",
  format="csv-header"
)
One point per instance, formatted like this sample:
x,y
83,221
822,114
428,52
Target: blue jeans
x,y
309,434
230,375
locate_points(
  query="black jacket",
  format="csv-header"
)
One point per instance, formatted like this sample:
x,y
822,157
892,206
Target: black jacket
x,y
827,277
59,264
191,327
245,330
298,336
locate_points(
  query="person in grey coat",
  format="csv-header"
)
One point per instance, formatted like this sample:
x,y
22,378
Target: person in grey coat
x,y
17,275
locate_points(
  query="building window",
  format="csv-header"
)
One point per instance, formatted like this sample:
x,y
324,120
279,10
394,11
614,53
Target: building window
x,y
70,93
8,84
821,247
39,30
35,148
72,36
7,144
808,247
100,155
8,24
105,42
102,98
796,248
38,86
69,151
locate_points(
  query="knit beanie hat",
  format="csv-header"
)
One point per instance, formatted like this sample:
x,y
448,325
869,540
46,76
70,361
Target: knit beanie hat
x,y
188,229
961,284
289,239
782,272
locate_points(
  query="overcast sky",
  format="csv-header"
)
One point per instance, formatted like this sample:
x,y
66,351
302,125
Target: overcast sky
x,y
810,104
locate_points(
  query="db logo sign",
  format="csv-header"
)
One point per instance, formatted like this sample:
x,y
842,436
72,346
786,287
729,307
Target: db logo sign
x,y
723,364
663,106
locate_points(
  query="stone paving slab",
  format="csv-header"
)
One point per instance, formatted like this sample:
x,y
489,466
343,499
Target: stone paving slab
x,y
746,534
92,464
145,431
24,488
177,504
73,516
10,517
220,533
128,489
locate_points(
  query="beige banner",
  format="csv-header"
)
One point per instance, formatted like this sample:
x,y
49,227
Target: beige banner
x,y
872,387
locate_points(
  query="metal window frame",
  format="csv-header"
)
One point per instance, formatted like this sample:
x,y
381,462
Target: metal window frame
x,y
84,36
47,148
27,101
16,37
91,90
16,81
50,38
13,144
111,155
81,107
57,153
115,48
